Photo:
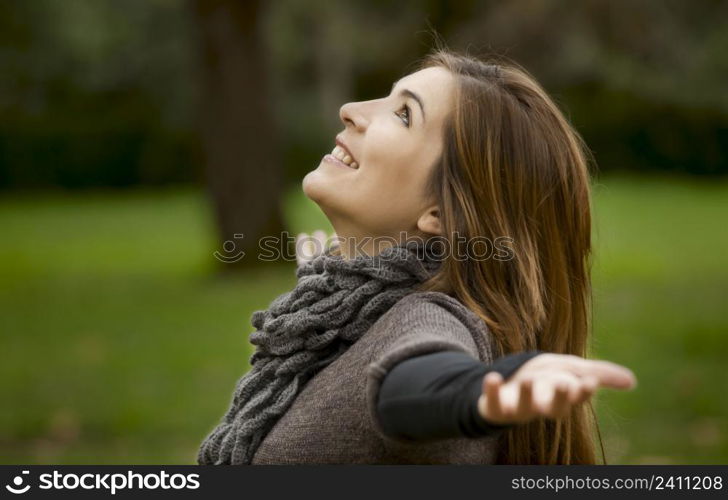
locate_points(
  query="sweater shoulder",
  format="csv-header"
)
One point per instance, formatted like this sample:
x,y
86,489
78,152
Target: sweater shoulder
x,y
423,314
429,318
418,324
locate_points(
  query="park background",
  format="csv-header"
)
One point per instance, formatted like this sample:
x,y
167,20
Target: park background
x,y
137,137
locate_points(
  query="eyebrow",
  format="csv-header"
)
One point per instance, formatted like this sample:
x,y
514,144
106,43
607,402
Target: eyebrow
x,y
409,93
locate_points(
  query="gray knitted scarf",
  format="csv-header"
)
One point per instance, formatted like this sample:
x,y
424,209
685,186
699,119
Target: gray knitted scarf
x,y
333,304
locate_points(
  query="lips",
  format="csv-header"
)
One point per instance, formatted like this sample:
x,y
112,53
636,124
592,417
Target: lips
x,y
336,161
343,153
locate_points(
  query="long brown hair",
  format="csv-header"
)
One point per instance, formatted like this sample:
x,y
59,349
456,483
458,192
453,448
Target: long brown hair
x,y
512,166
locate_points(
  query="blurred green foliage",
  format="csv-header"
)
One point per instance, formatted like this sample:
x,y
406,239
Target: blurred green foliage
x,y
103,93
95,94
125,347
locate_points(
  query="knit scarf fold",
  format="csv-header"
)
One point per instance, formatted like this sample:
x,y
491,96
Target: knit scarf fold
x,y
334,302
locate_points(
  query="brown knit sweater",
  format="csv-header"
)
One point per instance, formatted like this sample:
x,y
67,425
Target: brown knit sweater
x,y
333,419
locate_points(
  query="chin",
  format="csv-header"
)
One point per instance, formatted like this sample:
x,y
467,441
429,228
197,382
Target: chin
x,y
317,188
310,185
322,190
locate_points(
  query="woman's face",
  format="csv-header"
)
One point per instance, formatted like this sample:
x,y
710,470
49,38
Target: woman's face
x,y
393,143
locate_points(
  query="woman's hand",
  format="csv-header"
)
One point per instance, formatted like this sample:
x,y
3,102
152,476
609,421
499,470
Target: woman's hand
x,y
548,385
309,247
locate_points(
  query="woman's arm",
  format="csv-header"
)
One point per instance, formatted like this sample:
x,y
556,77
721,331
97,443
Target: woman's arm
x,y
548,385
435,396
448,394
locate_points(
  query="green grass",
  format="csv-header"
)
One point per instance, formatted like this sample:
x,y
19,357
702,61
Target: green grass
x,y
660,288
121,344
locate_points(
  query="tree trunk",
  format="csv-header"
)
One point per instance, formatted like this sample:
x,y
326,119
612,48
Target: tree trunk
x,y
238,132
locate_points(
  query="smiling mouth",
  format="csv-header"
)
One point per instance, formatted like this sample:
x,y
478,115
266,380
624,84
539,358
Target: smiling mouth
x,y
343,157
335,161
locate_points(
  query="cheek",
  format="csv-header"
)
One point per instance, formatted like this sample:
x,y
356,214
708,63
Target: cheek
x,y
391,184
398,161
386,175
391,155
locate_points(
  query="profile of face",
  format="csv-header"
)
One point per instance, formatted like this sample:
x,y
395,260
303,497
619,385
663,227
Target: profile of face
x,y
393,144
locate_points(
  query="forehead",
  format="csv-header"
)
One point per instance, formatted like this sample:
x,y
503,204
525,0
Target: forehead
x,y
435,87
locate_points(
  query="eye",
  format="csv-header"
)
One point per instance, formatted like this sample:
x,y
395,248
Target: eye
x,y
407,114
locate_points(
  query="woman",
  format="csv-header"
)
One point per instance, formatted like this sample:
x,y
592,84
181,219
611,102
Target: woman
x,y
449,323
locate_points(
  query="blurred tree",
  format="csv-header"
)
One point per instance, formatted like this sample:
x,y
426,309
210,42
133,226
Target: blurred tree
x,y
239,135
95,93
100,92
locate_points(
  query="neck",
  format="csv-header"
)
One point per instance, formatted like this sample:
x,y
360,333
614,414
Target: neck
x,y
353,242
352,246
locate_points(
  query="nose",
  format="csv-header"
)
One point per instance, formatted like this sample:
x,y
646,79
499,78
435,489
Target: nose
x,y
351,114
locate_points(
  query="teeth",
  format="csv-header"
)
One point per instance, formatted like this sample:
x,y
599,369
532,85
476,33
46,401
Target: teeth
x,y
340,153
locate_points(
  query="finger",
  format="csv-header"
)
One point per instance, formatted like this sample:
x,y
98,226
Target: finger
x,y
320,239
543,395
560,401
301,247
587,389
491,387
307,250
611,375
608,374
525,399
571,382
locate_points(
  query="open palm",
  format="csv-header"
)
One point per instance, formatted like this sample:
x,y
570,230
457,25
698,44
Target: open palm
x,y
548,385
